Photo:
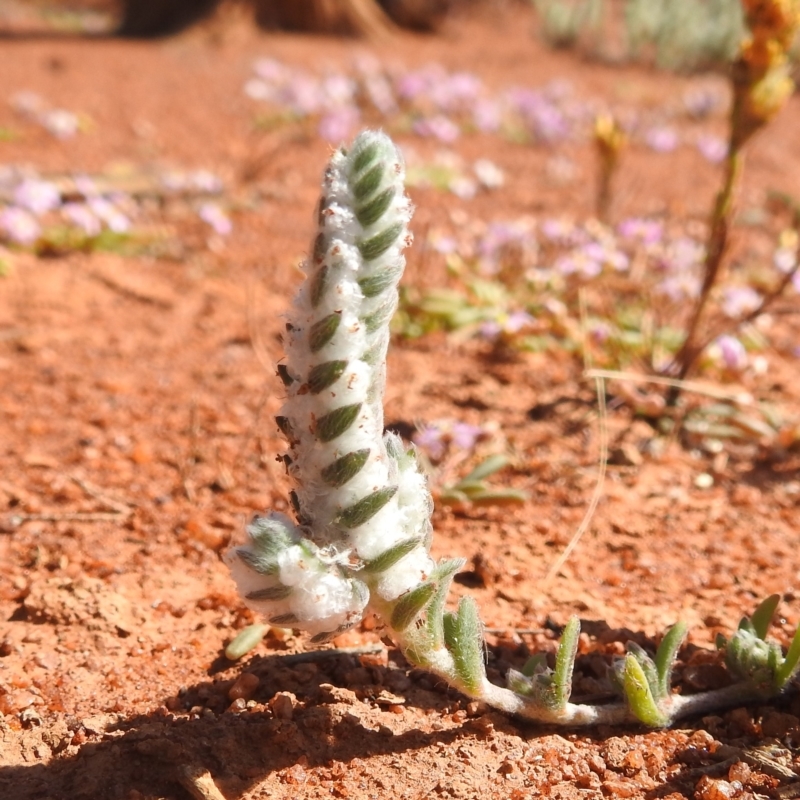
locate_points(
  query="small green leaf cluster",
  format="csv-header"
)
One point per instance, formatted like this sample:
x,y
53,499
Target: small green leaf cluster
x,y
550,688
751,658
473,488
647,682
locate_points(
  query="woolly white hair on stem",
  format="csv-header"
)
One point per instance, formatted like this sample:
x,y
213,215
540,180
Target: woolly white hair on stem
x,y
354,500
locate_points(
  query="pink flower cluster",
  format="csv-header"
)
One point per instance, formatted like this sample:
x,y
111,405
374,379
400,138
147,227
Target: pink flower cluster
x,y
33,204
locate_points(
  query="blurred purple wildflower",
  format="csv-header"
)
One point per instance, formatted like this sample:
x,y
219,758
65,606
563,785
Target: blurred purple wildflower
x,y
338,90
712,148
61,123
785,258
339,123
739,300
85,186
109,213
439,127
682,254
680,286
646,231
561,231
502,239
256,89
19,226
487,115
464,435
411,85
81,216
700,101
303,95
517,320
599,332
380,93
463,187
204,180
446,245
214,216
435,438
270,70
455,92
37,196
490,329
586,261
543,118
28,103
489,175
662,139
730,352
430,438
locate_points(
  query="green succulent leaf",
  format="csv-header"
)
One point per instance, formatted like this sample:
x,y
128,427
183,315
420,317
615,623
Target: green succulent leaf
x,y
761,618
639,696
378,283
371,211
746,624
391,556
366,508
278,592
368,183
244,641
377,319
335,423
666,655
323,331
487,467
535,664
324,375
377,245
489,497
565,662
263,563
646,663
442,575
787,670
363,157
519,683
284,619
343,469
463,634
410,605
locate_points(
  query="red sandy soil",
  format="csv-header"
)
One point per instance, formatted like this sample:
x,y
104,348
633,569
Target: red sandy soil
x,y
136,439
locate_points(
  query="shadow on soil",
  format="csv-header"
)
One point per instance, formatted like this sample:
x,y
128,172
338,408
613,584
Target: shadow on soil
x,y
327,726
150,753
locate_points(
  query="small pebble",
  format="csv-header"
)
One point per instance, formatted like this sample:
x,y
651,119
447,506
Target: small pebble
x,y
244,687
16,701
282,705
704,481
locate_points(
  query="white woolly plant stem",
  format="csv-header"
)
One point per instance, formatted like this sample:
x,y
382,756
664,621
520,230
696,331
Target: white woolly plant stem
x,y
360,538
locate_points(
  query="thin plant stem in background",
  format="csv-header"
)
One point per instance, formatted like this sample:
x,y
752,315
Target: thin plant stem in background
x,y
609,141
761,86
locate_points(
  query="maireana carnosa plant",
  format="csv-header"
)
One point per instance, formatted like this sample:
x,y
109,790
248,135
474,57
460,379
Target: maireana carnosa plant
x,y
360,538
